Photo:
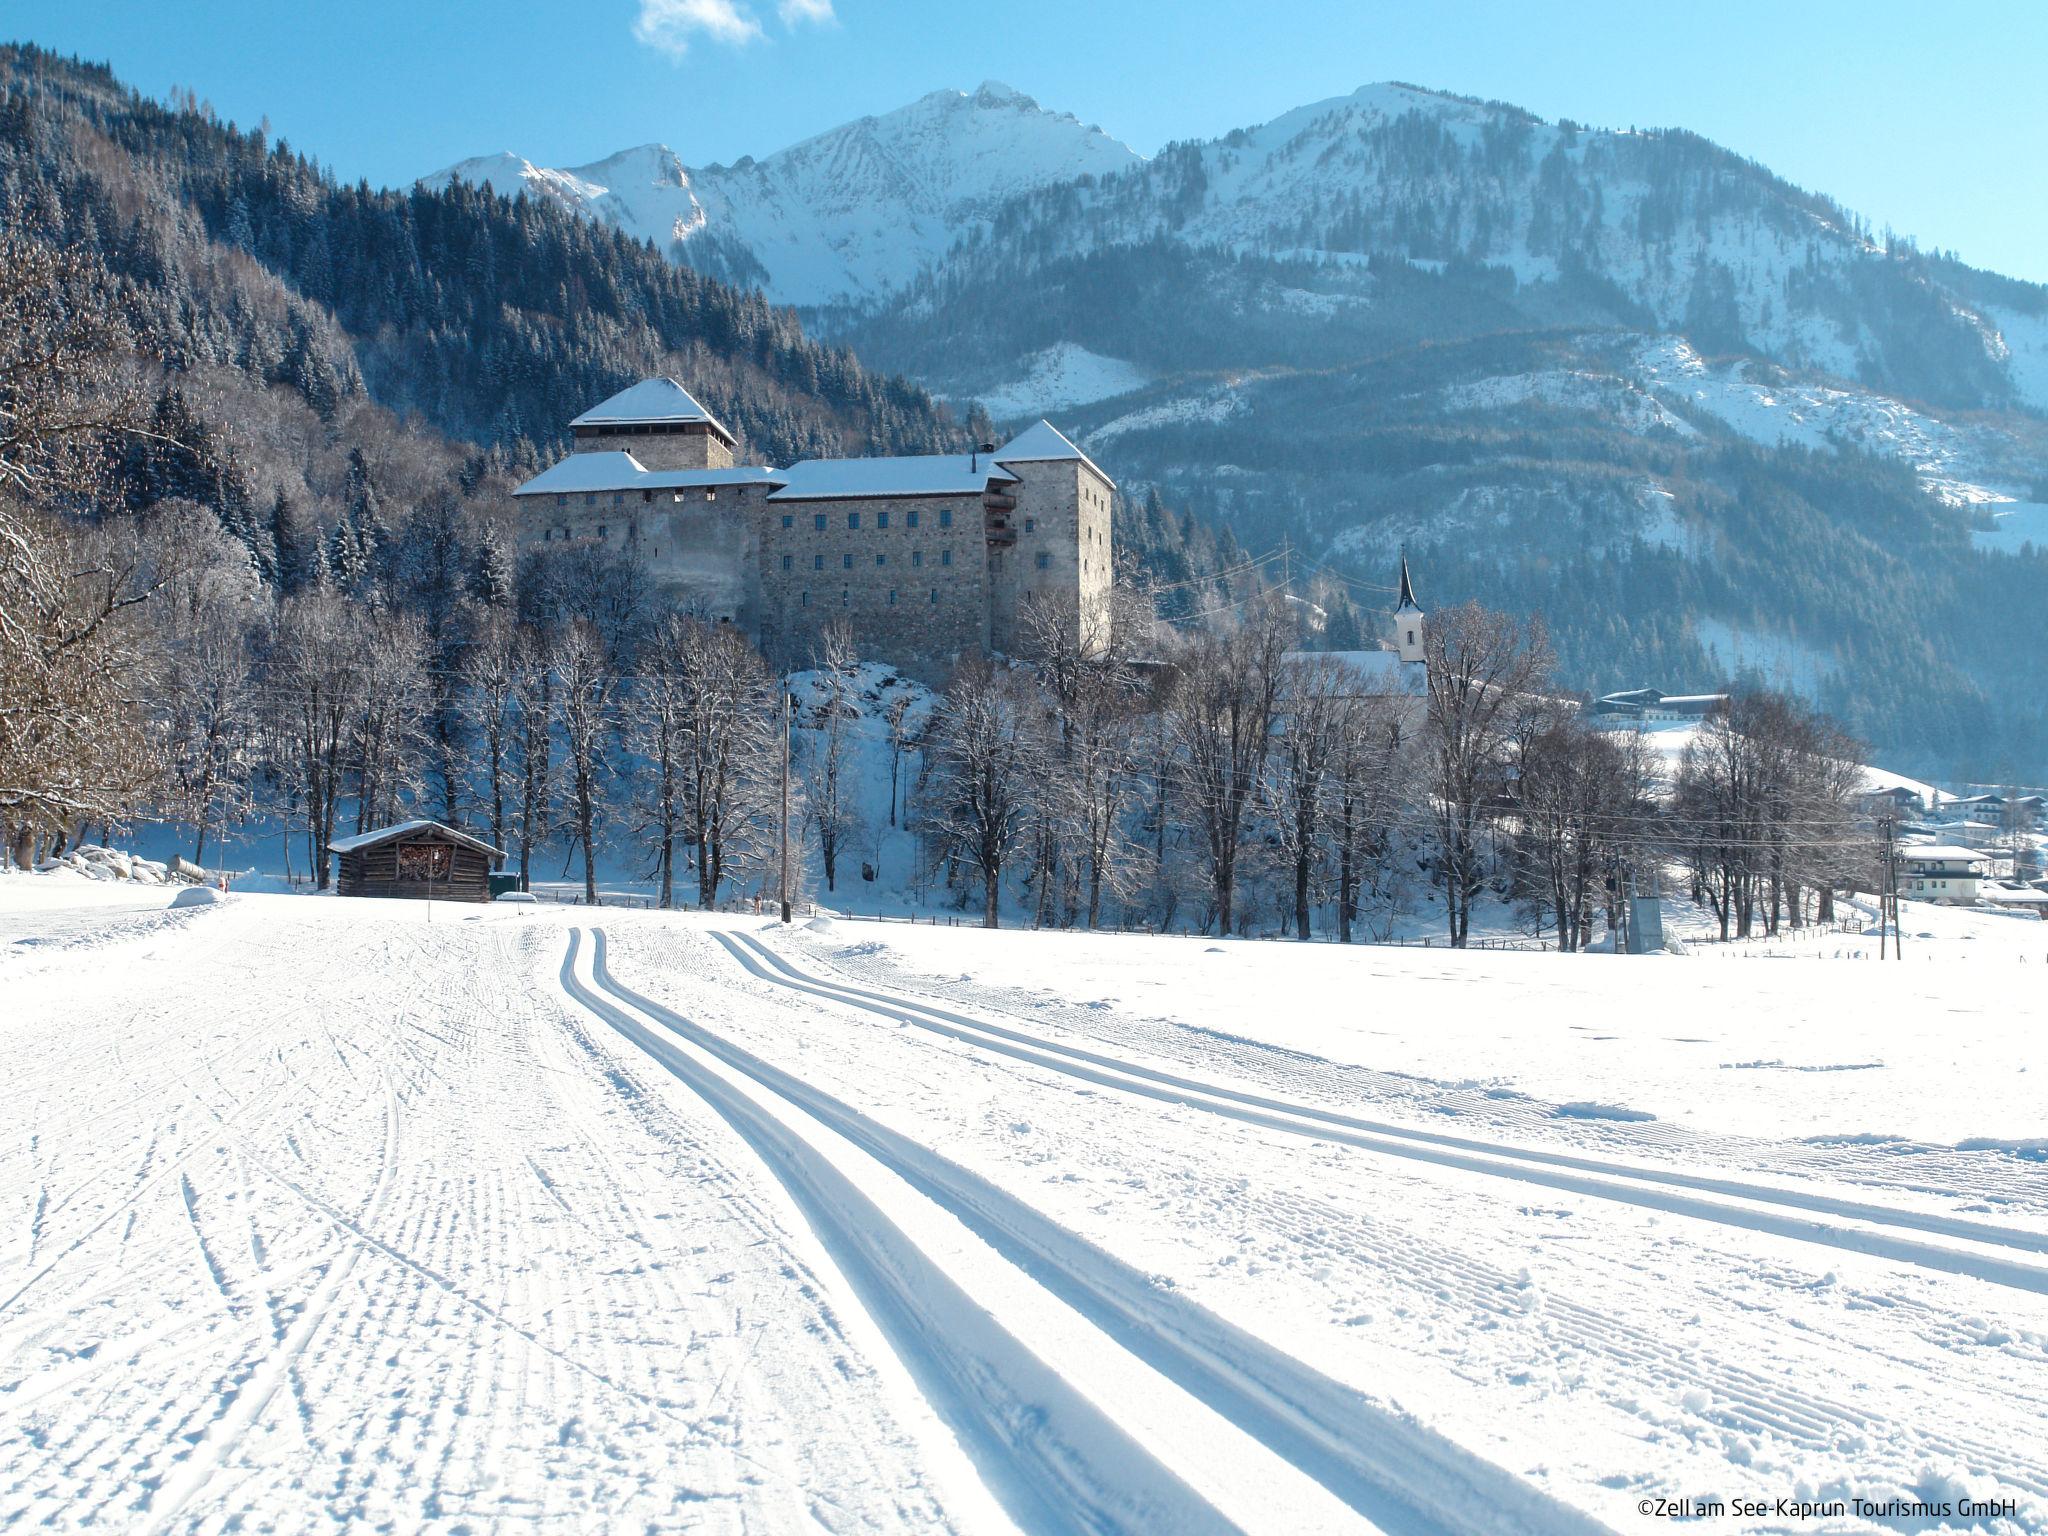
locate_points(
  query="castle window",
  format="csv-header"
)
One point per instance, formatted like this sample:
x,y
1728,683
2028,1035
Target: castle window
x,y
935,594
741,493
853,520
601,530
647,495
711,493
788,561
846,562
590,498
618,498
881,520
945,517
917,557
806,601
892,597
818,522
1044,560
788,521
945,557
1031,525
881,559
547,535
910,518
561,501
817,562
845,597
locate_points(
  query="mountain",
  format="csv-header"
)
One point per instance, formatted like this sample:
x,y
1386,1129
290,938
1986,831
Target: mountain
x,y
841,218
1710,424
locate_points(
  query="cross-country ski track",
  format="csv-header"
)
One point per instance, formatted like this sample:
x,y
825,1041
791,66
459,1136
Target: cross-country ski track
x,y
1856,1225
332,1215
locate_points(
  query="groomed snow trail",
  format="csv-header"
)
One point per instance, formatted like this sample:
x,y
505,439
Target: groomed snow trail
x,y
1985,1250
1398,1475
315,1217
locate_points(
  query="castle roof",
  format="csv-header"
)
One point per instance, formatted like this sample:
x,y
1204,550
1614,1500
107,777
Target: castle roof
x,y
927,474
1042,442
651,402
617,470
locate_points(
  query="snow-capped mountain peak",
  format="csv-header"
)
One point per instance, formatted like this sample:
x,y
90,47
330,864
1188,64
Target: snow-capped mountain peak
x,y
846,215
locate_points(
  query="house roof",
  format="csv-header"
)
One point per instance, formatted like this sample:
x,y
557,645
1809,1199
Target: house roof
x,y
615,469
1042,443
1942,851
389,834
928,474
651,402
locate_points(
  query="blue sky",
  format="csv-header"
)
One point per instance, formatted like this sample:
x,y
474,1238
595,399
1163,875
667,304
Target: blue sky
x,y
1930,119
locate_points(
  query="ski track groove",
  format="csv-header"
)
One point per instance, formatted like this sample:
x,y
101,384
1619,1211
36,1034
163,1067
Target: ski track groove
x,y
1741,1397
1670,1192
1398,1474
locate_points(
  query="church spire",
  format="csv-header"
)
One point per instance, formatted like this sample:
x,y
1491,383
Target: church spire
x,y
1408,619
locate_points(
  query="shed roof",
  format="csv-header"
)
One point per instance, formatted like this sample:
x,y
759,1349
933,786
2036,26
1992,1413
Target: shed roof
x,y
927,474
1042,442
401,829
651,402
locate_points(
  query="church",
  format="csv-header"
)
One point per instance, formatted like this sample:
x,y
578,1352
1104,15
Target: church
x,y
929,558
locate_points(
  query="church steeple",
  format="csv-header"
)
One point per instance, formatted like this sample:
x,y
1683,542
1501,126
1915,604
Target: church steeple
x,y
1408,618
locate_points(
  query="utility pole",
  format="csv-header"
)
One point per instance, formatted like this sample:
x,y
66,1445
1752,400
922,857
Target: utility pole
x,y
787,701
1891,860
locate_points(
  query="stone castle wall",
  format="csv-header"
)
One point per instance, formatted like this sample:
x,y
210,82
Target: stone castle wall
x,y
909,573
1062,548
692,446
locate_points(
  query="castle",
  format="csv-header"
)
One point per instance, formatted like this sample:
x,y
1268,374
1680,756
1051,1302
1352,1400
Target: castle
x,y
929,558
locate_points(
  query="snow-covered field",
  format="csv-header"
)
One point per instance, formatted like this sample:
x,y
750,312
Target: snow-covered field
x,y
326,1215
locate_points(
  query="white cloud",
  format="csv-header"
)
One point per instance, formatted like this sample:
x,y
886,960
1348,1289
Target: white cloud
x,y
672,25
794,11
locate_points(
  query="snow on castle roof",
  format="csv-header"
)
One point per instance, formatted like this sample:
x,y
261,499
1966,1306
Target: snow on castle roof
x,y
926,474
648,403
617,470
1042,442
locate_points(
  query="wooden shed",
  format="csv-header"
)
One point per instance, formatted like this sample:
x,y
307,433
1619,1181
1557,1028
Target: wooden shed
x,y
420,859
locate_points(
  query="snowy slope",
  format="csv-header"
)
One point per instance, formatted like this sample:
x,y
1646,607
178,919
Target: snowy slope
x,y
332,1213
844,216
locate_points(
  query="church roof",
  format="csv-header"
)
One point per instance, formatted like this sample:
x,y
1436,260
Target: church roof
x,y
925,474
651,402
1042,442
1407,603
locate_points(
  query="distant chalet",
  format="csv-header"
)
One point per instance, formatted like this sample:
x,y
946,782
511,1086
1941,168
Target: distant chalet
x,y
422,860
929,557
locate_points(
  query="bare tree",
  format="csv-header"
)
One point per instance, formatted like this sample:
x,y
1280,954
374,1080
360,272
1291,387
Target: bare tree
x,y
490,684
311,652
1572,793
1484,670
533,674
1220,710
827,767
1314,724
588,690
1092,784
983,761
1373,772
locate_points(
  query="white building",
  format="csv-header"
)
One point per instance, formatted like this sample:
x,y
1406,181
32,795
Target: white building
x,y
1942,873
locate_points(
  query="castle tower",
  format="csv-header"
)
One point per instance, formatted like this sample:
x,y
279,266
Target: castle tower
x,y
660,423
1408,619
1049,536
